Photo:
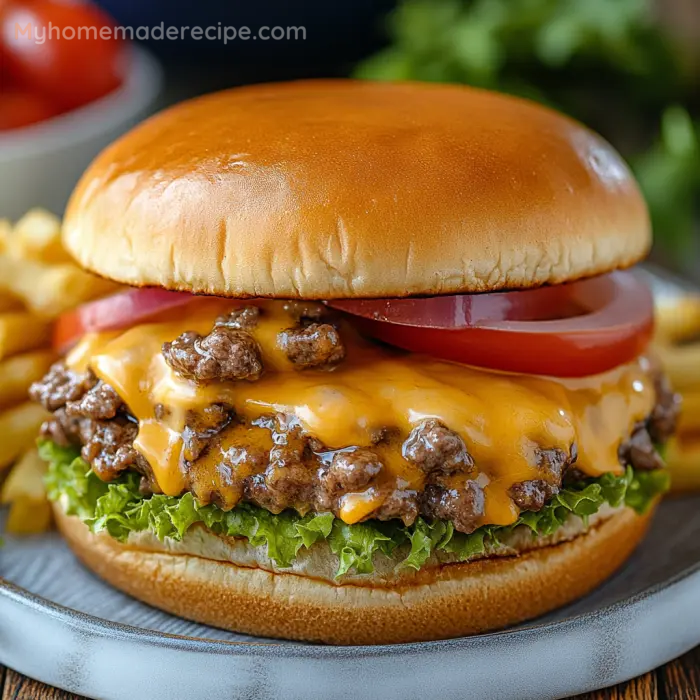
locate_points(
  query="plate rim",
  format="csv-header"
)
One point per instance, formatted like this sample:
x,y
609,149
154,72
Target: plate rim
x,y
100,627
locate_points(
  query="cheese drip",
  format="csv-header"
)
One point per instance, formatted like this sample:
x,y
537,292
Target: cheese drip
x,y
503,418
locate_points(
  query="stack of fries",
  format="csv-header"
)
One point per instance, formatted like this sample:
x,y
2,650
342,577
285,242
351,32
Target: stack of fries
x,y
38,282
678,346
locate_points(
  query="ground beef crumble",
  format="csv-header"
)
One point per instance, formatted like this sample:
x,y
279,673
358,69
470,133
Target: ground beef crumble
x,y
307,312
297,471
640,449
553,465
289,480
349,471
532,494
664,418
60,386
202,426
226,354
314,345
243,318
100,403
89,414
462,503
432,447
108,446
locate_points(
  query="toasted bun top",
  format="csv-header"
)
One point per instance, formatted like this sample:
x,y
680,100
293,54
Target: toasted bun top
x,y
331,189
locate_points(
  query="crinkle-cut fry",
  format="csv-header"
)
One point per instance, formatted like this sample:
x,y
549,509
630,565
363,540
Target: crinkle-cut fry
x,y
49,290
19,427
37,236
21,331
18,373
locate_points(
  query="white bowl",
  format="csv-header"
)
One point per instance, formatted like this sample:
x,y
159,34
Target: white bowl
x,y
40,164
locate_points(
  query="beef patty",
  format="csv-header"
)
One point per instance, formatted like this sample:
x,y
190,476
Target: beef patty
x,y
275,465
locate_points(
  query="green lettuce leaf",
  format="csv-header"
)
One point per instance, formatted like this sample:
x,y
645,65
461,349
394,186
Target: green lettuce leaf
x,y
355,546
119,509
644,487
474,544
315,528
425,539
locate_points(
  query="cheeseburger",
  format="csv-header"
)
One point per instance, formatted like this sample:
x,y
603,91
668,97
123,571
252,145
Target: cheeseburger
x,y
379,376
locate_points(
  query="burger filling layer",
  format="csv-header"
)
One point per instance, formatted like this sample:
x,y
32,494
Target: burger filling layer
x,y
278,418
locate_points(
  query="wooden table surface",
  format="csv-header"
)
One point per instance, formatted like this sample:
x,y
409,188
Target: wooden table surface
x,y
679,680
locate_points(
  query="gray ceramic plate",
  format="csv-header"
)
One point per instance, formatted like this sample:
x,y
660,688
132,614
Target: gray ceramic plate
x,y
63,626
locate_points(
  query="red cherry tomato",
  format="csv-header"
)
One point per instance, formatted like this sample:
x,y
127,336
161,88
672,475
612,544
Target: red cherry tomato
x,y
114,312
573,330
41,54
20,108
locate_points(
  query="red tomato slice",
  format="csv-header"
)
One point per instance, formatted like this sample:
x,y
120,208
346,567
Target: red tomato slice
x,y
114,312
72,64
468,310
572,330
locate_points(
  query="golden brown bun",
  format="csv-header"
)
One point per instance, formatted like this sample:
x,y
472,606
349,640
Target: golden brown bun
x,y
331,189
447,601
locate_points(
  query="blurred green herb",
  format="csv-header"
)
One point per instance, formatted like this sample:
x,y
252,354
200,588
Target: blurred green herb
x,y
605,62
670,177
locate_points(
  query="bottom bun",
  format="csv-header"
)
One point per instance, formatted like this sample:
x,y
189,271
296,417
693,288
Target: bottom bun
x,y
449,600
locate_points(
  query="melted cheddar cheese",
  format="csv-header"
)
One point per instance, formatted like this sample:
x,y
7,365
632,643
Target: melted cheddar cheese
x,y
503,418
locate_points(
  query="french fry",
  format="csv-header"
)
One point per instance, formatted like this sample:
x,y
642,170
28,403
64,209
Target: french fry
x,y
28,517
26,479
5,235
49,290
21,331
19,372
677,324
689,422
37,235
678,321
30,511
19,427
684,465
38,281
682,365
9,302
